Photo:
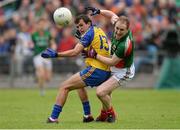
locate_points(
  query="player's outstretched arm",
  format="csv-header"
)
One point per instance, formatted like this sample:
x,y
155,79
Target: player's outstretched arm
x,y
73,52
50,53
106,13
107,60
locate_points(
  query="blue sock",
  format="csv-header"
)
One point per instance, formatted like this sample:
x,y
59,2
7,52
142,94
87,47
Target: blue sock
x,y
86,108
56,111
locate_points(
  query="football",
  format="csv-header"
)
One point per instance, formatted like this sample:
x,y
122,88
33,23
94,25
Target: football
x,y
62,16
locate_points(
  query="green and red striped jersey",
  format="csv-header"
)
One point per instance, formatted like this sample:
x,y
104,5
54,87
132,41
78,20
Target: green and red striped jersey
x,y
124,49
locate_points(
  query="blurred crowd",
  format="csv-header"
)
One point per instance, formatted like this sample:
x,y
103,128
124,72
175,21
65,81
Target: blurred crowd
x,y
149,20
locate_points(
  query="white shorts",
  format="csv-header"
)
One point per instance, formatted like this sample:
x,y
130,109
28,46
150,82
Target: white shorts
x,y
42,62
123,75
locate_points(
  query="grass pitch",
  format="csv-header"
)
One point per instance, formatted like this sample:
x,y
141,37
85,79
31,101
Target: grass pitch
x,y
25,109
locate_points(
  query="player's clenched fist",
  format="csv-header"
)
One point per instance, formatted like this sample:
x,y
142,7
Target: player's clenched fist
x,y
89,54
92,53
95,11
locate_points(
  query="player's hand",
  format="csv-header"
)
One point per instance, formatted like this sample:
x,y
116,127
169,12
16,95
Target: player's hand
x,y
77,34
49,53
92,53
84,54
95,11
89,54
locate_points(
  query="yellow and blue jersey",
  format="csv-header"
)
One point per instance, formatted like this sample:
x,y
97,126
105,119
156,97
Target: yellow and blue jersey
x,y
96,38
96,71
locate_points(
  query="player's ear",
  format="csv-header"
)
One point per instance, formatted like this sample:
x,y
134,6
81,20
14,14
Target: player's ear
x,y
90,23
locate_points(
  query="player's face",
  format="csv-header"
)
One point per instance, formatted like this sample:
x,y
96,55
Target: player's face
x,y
120,30
82,26
40,25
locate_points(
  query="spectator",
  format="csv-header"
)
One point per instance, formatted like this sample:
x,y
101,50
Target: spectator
x,y
67,42
23,50
4,46
150,56
24,9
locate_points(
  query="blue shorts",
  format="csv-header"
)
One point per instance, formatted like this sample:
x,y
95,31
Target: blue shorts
x,y
93,76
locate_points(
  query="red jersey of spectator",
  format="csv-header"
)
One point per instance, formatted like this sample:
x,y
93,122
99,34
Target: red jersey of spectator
x,y
67,42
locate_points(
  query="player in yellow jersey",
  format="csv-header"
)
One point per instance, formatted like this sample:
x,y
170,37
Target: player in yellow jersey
x,y
95,72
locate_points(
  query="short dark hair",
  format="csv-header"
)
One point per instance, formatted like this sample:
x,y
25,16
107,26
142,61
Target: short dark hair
x,y
84,17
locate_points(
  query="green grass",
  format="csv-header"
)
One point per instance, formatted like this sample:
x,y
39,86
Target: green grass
x,y
24,108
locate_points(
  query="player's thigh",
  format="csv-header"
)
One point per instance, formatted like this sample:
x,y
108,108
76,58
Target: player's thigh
x,y
47,67
47,63
38,64
38,61
74,82
48,74
107,87
39,70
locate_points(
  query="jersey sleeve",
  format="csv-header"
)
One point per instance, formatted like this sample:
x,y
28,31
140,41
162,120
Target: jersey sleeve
x,y
120,51
88,37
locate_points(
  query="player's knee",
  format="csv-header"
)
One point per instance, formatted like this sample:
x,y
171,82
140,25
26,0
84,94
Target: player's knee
x,y
100,93
48,78
65,88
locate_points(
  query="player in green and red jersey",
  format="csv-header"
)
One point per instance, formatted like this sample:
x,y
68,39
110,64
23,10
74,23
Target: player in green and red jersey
x,y
121,62
43,67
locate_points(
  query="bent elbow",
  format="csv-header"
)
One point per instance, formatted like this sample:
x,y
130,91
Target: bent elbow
x,y
75,53
113,63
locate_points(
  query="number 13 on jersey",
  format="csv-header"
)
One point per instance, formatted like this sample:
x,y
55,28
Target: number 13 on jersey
x,y
104,42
